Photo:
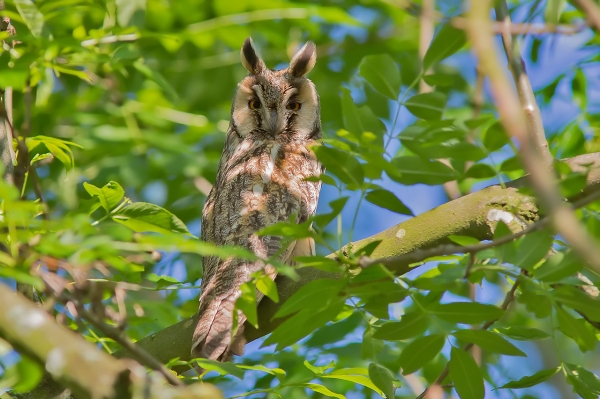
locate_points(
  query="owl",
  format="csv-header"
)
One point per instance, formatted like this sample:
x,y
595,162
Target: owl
x,y
275,120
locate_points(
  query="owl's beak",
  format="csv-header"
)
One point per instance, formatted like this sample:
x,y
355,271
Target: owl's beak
x,y
274,122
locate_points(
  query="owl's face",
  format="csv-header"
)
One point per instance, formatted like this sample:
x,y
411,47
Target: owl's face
x,y
282,105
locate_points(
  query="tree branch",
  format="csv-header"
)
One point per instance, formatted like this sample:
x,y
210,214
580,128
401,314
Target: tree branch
x,y
535,160
70,359
591,10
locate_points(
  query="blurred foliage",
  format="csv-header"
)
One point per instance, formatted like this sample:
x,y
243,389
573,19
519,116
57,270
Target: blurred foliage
x,y
123,106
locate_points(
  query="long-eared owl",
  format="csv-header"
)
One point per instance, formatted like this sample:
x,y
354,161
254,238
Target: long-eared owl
x,y
275,119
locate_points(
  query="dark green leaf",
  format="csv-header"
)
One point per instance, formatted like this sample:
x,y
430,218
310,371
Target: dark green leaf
x,y
388,200
370,346
523,333
447,42
578,300
466,312
576,329
247,303
495,137
480,171
341,164
324,289
584,382
558,266
359,120
334,332
142,217
382,378
420,352
466,375
531,380
489,341
533,248
438,79
411,325
428,106
414,170
382,73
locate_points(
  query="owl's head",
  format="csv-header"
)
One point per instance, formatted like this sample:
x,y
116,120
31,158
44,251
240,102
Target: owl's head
x,y
280,104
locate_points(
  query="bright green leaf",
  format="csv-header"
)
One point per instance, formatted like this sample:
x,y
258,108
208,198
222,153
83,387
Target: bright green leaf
x,y
420,352
382,72
382,378
143,217
388,200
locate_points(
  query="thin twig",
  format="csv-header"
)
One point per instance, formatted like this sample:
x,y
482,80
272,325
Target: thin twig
x,y
426,28
139,354
510,296
526,29
513,119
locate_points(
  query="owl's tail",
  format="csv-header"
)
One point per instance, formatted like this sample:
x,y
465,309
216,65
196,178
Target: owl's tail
x,y
212,337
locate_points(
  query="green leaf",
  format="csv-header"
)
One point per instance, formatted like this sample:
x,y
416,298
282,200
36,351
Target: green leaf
x,y
447,42
318,369
29,374
370,346
157,78
489,341
32,18
428,106
303,323
415,170
480,171
247,303
318,262
388,200
495,137
358,375
578,300
466,312
466,375
144,217
554,9
382,72
533,248
463,240
336,208
131,12
584,382
531,380
223,368
268,287
558,266
382,378
576,329
411,325
341,164
523,333
110,195
438,79
420,352
323,390
335,332
304,299
359,120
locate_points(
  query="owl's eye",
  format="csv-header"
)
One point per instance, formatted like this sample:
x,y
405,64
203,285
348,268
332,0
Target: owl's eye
x,y
254,104
294,106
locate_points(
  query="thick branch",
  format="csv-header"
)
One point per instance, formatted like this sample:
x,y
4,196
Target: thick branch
x,y
70,359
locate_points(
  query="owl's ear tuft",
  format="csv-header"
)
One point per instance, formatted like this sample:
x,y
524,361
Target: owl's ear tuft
x,y
250,59
304,60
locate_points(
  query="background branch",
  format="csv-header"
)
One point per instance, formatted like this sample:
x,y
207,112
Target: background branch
x,y
70,359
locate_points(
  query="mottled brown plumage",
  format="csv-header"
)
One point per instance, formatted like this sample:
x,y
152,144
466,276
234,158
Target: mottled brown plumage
x,y
261,181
